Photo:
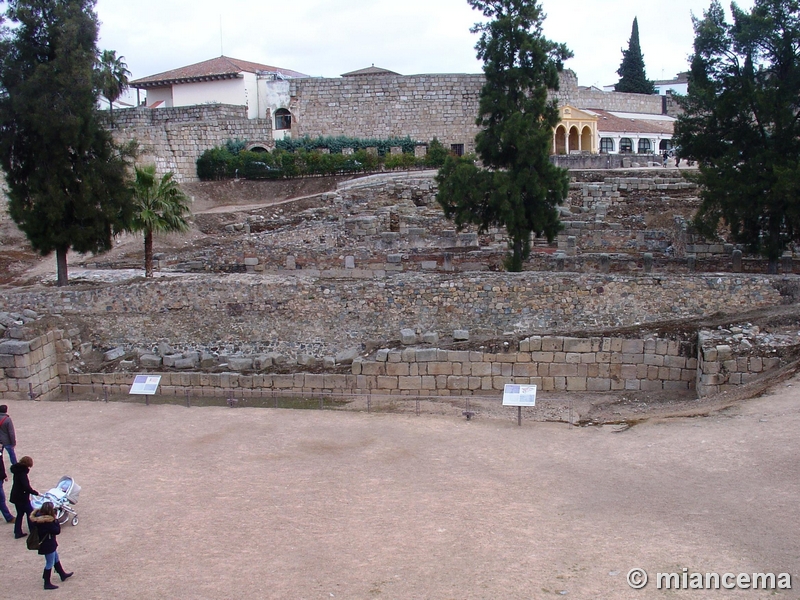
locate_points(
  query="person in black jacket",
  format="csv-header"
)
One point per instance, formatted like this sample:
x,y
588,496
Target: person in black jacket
x,y
3,506
21,491
44,519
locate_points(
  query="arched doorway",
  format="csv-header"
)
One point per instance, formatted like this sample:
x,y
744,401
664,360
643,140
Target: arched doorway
x,y
586,140
574,141
561,140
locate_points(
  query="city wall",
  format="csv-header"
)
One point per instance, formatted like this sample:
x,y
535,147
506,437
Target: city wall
x,y
419,106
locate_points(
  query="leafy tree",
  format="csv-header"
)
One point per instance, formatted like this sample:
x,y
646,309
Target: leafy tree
x,y
112,77
160,206
742,124
67,181
517,186
632,77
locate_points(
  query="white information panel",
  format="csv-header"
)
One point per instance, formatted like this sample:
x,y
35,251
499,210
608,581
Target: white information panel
x,y
519,395
145,385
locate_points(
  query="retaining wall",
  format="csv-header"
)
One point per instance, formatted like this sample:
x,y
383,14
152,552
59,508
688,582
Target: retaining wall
x,y
33,366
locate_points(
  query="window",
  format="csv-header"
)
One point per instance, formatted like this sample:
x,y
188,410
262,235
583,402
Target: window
x,y
625,146
644,146
665,145
606,145
457,149
283,119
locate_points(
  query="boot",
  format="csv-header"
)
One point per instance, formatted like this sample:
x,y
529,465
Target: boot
x,y
46,577
61,572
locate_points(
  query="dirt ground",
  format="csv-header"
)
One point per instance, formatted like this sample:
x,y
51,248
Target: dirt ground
x,y
219,503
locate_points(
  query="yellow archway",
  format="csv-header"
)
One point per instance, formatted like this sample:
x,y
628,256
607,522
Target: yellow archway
x,y
582,128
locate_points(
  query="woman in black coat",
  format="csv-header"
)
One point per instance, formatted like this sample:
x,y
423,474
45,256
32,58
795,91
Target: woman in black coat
x,y
21,491
44,519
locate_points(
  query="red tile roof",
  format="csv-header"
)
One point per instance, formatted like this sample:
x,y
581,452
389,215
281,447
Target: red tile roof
x,y
618,122
216,68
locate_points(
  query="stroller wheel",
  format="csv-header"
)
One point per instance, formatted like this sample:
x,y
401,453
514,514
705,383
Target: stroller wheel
x,y
75,520
62,516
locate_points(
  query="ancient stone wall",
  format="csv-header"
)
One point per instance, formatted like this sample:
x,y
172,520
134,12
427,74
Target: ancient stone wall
x,y
419,106
321,317
174,138
33,366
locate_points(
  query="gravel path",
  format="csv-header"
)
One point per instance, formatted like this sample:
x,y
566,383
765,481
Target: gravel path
x,y
219,503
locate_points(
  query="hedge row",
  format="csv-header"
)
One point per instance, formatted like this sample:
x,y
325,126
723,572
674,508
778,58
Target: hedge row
x,y
233,161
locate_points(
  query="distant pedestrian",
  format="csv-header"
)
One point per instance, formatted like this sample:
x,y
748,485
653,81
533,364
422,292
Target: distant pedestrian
x,y
21,491
3,506
44,519
664,158
8,439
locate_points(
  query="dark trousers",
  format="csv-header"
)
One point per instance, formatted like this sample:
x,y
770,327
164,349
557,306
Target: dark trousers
x,y
22,508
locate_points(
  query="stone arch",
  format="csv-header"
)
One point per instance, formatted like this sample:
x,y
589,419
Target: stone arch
x,y
574,139
586,139
258,147
560,142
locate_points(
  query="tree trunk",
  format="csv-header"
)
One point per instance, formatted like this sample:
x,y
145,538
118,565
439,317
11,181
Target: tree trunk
x,y
61,265
772,266
148,253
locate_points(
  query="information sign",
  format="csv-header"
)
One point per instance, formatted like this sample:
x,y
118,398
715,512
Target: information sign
x,y
519,395
145,385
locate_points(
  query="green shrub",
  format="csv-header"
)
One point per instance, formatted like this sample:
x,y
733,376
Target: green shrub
x,y
436,155
214,163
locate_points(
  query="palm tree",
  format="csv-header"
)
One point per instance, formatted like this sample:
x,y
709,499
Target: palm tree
x,y
112,77
161,206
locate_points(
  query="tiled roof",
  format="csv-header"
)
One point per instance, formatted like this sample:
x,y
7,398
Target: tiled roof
x,y
619,122
216,68
373,70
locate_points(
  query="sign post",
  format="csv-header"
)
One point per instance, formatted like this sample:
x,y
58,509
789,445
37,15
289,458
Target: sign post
x,y
519,396
145,385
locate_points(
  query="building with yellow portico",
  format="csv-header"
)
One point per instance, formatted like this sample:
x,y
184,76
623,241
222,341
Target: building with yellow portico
x,y
575,132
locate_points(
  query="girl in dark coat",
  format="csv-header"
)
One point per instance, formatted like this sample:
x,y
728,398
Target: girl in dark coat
x,y
44,519
21,491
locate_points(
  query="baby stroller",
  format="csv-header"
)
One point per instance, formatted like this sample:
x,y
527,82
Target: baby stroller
x,y
63,496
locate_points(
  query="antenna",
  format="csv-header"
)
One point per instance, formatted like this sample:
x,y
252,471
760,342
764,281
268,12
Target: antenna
x,y
221,50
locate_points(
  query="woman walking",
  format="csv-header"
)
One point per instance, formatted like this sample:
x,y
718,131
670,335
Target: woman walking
x,y
21,491
44,519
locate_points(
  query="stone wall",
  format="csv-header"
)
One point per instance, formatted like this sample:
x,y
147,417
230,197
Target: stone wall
x,y
33,365
419,106
174,138
738,355
295,313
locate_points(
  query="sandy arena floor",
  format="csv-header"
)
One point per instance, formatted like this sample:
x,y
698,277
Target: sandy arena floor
x,y
219,503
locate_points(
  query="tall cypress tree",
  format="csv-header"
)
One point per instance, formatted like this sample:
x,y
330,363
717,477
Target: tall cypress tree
x,y
632,77
517,187
66,179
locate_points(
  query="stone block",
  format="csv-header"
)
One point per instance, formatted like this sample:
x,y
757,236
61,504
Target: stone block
x,y
7,361
427,355
306,360
724,352
552,344
348,356
461,335
240,363
150,361
632,347
654,359
14,347
430,337
409,383
577,345
408,337
170,359
596,384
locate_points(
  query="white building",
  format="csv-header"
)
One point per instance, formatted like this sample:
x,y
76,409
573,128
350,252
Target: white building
x,y
263,89
632,133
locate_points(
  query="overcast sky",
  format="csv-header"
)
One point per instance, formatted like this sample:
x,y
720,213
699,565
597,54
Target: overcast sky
x,y
330,37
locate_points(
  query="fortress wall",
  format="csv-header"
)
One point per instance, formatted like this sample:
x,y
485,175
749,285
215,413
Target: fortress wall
x,y
176,145
419,106
321,317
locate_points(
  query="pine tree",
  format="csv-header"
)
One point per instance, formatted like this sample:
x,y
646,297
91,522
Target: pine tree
x,y
632,77
742,124
517,186
67,181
